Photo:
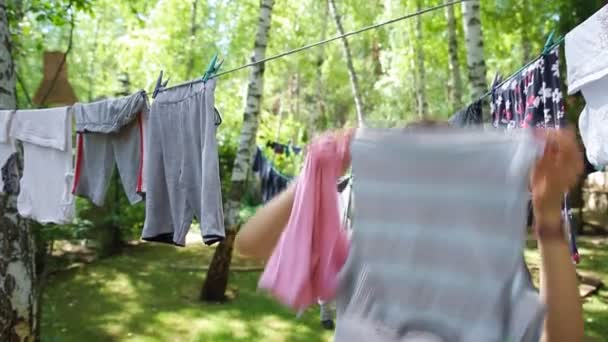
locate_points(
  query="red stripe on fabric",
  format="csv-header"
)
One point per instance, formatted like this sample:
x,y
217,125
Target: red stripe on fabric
x,y
78,168
141,152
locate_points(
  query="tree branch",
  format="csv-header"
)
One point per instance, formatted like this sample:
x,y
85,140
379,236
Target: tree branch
x,y
22,84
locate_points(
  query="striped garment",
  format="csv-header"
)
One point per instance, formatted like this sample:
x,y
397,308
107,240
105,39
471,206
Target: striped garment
x,y
438,234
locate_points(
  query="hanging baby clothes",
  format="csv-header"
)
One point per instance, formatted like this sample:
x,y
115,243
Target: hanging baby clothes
x,y
45,194
110,132
272,181
7,148
587,60
304,265
434,250
468,117
533,98
183,176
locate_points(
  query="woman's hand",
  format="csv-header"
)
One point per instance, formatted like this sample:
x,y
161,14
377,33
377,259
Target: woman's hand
x,y
552,176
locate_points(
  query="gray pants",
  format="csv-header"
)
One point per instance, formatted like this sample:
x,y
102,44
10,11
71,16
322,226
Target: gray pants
x,y
110,131
183,179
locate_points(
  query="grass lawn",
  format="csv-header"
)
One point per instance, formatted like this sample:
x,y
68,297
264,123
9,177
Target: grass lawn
x,y
149,293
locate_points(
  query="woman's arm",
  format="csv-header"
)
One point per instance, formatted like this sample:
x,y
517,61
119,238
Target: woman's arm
x,y
552,176
258,236
558,284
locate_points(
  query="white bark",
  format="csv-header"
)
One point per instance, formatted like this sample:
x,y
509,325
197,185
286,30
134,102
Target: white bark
x,y
423,106
474,46
18,300
192,40
320,94
525,41
252,112
216,280
354,82
455,85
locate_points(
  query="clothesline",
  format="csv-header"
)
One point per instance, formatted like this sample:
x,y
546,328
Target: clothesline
x,y
319,43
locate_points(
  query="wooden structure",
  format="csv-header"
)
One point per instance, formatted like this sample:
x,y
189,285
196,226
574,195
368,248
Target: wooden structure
x,y
55,88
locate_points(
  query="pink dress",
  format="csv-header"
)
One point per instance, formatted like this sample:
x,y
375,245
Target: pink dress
x,y
312,249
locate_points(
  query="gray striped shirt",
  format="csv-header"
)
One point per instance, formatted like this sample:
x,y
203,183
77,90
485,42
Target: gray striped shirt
x,y
438,233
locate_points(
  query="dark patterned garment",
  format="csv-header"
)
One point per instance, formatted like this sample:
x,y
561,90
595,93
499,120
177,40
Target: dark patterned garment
x,y
279,148
272,181
469,117
533,98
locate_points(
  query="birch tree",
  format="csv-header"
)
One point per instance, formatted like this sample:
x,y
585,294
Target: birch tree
x,y
455,85
525,40
18,299
215,284
354,82
193,29
422,104
473,33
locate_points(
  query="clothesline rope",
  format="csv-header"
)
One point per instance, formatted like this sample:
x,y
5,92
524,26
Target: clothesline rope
x,y
323,42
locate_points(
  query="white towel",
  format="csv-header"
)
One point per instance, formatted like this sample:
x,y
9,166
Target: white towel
x,y
45,193
587,60
7,148
587,51
593,122
42,127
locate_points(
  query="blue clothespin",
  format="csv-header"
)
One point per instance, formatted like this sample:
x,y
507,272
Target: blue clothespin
x,y
159,84
212,68
549,42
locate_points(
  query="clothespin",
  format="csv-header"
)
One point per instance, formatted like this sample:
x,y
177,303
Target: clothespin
x,y
212,68
549,42
159,84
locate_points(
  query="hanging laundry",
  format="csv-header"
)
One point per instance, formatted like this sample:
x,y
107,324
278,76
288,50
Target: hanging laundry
x,y
272,181
587,51
344,201
532,98
183,176
46,135
7,148
279,148
110,132
454,273
587,60
468,117
304,266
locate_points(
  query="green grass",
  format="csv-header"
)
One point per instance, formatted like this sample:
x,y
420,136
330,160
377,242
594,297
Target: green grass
x,y
149,293
594,258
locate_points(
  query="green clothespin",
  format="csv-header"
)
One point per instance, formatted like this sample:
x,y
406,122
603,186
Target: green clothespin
x,y
213,68
549,43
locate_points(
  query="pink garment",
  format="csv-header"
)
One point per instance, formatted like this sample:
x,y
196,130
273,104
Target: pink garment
x,y
312,249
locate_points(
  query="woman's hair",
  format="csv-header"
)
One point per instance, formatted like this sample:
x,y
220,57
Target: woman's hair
x,y
427,123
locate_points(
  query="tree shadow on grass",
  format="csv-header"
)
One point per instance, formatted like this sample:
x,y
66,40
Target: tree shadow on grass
x,y
143,296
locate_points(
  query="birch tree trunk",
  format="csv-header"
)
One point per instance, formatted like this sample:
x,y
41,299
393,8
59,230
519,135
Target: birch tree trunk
x,y
18,299
193,29
474,46
526,44
455,85
423,106
214,287
354,82
320,95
